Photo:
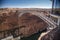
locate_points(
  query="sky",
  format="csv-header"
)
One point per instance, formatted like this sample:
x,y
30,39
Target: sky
x,y
25,4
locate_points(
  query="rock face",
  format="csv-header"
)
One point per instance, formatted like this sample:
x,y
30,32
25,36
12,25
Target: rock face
x,y
8,21
52,35
31,24
28,23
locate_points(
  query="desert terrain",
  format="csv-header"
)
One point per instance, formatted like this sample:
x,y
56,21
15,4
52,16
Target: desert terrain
x,y
24,19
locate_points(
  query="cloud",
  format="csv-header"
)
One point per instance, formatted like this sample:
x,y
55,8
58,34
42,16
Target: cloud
x,y
27,6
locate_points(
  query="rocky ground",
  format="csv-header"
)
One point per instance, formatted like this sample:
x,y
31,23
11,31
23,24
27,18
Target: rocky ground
x,y
30,25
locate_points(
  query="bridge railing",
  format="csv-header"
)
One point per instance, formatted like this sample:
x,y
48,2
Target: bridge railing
x,y
50,22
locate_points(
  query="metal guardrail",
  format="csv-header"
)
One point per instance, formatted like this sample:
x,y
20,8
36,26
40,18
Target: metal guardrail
x,y
50,22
